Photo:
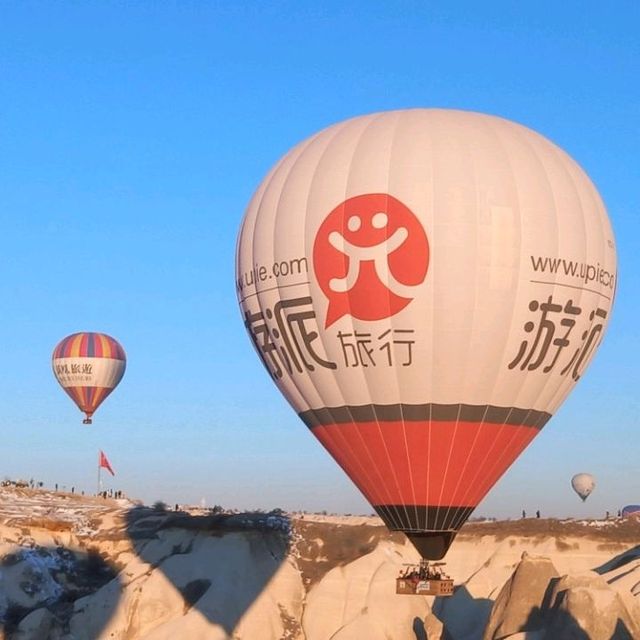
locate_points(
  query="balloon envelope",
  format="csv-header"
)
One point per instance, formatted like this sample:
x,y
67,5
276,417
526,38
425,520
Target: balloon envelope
x,y
425,287
583,484
88,366
631,510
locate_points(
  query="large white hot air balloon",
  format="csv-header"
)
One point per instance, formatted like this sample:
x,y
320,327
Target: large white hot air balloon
x,y
425,287
583,484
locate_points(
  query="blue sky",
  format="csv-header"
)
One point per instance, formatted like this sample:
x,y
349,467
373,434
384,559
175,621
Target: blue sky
x,y
132,136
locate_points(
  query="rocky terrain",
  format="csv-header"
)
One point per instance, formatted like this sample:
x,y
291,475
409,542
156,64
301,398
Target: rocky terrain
x,y
80,568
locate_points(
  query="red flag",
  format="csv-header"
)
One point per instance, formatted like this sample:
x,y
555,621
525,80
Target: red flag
x,y
103,462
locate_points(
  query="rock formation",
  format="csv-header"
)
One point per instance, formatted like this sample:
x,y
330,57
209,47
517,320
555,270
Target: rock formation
x,y
94,569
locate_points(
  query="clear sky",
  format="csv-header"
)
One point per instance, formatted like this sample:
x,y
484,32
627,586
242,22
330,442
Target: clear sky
x,y
132,136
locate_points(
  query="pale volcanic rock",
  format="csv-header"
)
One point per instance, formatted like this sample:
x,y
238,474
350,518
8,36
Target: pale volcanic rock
x,y
433,629
216,587
519,606
585,606
146,574
358,600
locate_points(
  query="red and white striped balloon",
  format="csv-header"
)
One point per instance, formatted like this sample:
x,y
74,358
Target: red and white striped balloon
x,y
88,366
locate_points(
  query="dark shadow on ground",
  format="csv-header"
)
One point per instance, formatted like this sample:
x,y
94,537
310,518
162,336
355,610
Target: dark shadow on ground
x,y
556,623
419,630
462,614
234,556
42,585
619,560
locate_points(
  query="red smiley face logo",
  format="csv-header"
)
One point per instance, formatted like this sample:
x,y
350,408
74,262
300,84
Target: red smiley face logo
x,y
368,255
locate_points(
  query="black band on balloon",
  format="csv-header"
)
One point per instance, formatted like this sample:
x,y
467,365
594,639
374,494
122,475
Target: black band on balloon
x,y
425,413
430,529
421,518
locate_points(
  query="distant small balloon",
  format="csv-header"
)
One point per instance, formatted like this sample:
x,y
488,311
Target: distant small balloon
x,y
583,484
88,367
631,510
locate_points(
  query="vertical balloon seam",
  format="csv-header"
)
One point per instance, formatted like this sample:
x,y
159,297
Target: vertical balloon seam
x,y
458,520
562,160
332,434
370,124
69,342
469,150
68,345
304,395
522,138
82,347
391,511
91,345
438,117
507,453
284,178
275,178
432,308
397,519
71,347
71,392
598,208
105,346
540,152
257,198
461,502
393,320
479,487
392,467
287,173
495,469
462,515
77,345
338,433
563,390
472,486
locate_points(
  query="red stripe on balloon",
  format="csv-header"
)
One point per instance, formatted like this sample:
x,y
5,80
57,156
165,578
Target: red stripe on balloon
x,y
88,399
440,464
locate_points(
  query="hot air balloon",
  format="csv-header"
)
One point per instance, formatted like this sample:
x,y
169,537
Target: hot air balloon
x,y
583,484
425,287
89,367
631,510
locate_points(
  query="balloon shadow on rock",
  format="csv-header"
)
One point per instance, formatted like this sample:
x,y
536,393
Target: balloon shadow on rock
x,y
42,588
232,556
558,623
461,614
421,632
